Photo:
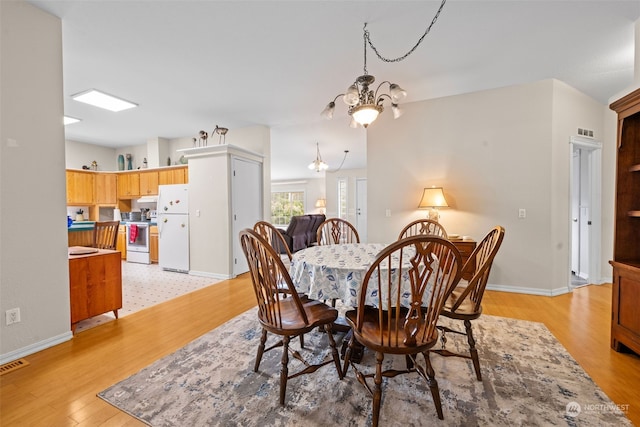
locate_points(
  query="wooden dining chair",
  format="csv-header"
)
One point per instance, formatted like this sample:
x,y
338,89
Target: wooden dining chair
x,y
465,302
403,320
289,316
272,235
105,234
335,231
423,226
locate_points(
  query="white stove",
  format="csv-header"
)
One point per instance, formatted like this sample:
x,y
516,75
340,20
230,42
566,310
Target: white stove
x,y
138,242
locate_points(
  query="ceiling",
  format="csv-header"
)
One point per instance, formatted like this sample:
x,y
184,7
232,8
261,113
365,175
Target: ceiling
x,y
192,65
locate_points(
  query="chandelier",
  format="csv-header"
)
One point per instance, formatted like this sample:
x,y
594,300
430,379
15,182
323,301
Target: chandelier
x,y
364,103
318,164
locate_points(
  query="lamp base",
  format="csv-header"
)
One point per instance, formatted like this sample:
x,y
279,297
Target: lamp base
x,y
434,215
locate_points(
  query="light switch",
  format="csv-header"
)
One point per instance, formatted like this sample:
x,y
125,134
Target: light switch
x,y
388,212
522,213
197,212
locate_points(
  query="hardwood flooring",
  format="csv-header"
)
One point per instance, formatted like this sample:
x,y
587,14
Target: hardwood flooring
x,y
59,386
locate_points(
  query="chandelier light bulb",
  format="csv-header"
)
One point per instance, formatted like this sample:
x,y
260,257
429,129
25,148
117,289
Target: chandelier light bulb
x,y
397,93
397,112
352,96
327,113
366,114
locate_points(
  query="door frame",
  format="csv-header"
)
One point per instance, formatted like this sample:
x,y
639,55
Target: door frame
x,y
594,181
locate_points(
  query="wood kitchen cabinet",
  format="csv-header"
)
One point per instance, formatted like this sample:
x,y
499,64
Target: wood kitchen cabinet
x,y
148,183
625,312
121,243
153,243
173,175
128,185
80,187
106,190
95,284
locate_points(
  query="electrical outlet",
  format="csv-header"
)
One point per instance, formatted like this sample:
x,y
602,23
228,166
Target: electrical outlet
x,y
12,316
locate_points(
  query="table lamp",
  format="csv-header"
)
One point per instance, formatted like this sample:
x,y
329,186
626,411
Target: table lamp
x,y
432,199
321,204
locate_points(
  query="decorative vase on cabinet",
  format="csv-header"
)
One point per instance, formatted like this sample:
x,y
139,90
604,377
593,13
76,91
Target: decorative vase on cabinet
x,y
120,162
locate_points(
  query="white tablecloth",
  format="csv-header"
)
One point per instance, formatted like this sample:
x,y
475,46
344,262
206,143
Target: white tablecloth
x,y
337,271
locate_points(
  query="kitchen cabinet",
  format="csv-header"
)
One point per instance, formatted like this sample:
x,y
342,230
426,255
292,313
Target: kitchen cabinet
x,y
625,315
153,243
121,243
148,183
80,187
128,185
95,284
106,190
173,175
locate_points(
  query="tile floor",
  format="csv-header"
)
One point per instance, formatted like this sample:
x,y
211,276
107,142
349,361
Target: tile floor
x,y
146,285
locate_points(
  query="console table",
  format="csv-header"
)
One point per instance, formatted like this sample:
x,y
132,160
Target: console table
x,y
95,283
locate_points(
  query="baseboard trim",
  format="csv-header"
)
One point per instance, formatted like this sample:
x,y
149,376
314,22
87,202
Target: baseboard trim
x,y
35,347
210,275
535,291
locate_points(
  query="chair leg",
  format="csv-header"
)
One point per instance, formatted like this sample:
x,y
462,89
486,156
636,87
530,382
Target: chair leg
x,y
377,392
472,349
347,356
334,350
263,340
433,385
284,371
301,340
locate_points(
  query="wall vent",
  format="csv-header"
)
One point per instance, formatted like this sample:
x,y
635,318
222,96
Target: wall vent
x,y
12,366
585,132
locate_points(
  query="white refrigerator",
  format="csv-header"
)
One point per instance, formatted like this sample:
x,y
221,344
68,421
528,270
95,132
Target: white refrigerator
x,y
173,227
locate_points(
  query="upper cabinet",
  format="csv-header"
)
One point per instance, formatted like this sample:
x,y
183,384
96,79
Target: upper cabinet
x,y
128,185
149,183
174,175
80,187
106,188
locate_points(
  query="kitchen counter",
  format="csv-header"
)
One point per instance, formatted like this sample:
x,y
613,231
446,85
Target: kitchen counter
x,y
81,225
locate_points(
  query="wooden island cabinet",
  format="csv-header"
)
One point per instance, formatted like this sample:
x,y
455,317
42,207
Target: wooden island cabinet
x,y
625,307
95,283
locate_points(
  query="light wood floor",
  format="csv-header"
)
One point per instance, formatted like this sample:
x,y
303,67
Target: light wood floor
x,y
59,386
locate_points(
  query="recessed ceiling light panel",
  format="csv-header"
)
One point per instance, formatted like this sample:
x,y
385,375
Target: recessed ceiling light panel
x,y
103,100
70,120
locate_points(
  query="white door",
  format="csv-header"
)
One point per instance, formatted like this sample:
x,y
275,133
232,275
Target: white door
x,y
246,201
575,213
361,208
586,208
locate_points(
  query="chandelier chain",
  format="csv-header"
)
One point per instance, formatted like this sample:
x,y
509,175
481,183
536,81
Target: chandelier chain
x,y
367,39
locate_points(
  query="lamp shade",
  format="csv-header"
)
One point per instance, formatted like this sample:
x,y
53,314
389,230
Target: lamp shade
x,y
321,203
432,198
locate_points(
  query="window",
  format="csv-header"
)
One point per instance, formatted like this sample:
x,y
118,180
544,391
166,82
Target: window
x,y
342,198
284,205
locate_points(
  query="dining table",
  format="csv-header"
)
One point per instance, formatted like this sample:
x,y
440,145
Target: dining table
x,y
328,272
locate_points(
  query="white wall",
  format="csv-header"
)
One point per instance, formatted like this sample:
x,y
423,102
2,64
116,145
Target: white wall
x,y
78,154
494,152
34,269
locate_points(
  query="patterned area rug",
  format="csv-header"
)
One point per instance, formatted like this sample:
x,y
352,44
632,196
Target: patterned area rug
x,y
528,379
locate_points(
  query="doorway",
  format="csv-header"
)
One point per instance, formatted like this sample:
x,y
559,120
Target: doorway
x,y
585,194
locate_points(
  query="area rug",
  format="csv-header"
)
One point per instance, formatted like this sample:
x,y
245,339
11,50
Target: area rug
x,y
528,379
